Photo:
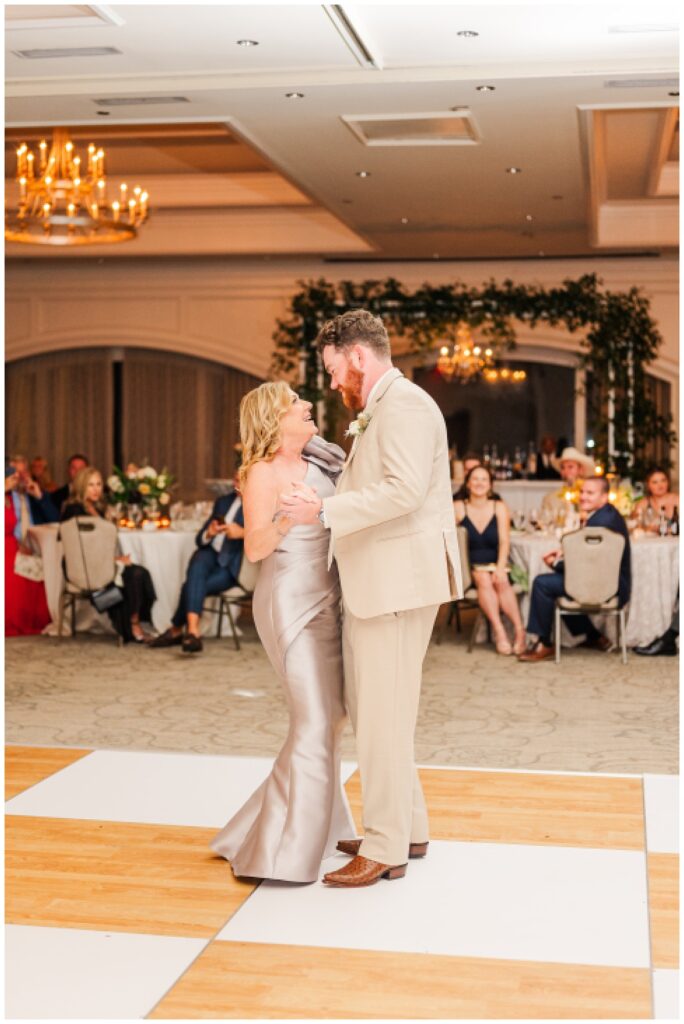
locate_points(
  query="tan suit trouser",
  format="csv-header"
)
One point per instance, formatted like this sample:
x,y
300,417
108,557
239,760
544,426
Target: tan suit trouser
x,y
383,667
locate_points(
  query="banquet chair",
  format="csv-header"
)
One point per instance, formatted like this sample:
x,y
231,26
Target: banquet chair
x,y
591,558
240,595
89,546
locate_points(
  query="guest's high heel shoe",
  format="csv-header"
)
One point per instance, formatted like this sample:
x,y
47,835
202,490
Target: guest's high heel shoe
x,y
520,645
502,644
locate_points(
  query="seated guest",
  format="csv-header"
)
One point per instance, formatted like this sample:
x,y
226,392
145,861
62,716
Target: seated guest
x,y
666,643
546,460
26,610
548,586
136,583
487,521
470,460
32,507
213,568
574,467
40,472
75,464
658,497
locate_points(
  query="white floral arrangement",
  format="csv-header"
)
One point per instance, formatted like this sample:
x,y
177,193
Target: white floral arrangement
x,y
357,426
139,484
623,498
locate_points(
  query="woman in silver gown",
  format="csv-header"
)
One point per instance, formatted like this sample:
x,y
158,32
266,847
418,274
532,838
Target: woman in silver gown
x,y
296,816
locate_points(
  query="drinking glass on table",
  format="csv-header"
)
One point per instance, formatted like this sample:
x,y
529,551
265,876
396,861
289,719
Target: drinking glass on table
x,y
545,519
519,519
533,518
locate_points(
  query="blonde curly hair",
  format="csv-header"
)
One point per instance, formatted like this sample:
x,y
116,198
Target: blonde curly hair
x,y
260,413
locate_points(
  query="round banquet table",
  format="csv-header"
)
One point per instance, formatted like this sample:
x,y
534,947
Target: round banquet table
x,y
165,553
655,580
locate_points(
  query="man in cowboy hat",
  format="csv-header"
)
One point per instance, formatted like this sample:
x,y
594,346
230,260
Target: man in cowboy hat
x,y
574,468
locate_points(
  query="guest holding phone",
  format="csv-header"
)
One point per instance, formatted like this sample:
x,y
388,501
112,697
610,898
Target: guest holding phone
x,y
213,568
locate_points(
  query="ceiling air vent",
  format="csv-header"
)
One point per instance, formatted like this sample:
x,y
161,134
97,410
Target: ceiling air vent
x,y
68,51
641,83
444,128
139,101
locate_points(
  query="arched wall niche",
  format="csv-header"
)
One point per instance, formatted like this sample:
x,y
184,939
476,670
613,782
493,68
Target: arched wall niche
x,y
126,403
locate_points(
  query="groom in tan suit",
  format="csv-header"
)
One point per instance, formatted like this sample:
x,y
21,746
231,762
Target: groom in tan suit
x,y
393,535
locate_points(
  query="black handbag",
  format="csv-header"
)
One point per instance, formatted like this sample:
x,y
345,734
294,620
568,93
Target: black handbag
x,y
106,597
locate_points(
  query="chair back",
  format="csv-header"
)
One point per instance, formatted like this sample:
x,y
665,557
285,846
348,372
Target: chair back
x,y
592,564
248,575
462,535
89,545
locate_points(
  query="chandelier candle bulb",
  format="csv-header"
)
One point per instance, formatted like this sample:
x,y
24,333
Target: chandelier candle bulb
x,y
29,159
43,154
115,209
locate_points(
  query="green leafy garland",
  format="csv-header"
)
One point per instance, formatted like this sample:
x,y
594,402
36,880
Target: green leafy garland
x,y
621,340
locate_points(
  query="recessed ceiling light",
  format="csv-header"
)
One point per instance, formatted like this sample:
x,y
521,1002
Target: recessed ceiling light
x,y
541,253
294,95
514,170
347,201
404,220
486,88
467,33
528,216
247,42
556,197
435,255
102,113
363,174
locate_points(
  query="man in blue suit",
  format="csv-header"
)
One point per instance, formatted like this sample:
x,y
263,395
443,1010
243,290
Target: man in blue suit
x,y
214,567
548,586
31,506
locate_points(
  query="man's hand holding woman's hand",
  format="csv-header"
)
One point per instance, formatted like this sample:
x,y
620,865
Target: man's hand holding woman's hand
x,y
301,504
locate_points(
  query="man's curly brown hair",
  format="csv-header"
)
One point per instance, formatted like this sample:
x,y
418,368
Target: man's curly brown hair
x,y
355,327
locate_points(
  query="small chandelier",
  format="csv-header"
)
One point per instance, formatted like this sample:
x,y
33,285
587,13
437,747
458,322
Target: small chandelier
x,y
62,203
496,375
466,359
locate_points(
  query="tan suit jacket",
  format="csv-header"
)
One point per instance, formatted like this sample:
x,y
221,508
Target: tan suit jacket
x,y
392,528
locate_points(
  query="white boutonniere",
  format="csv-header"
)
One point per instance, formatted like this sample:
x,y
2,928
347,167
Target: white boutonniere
x,y
357,426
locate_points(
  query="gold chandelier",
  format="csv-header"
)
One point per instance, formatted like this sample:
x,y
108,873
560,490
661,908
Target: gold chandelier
x,y
62,203
467,360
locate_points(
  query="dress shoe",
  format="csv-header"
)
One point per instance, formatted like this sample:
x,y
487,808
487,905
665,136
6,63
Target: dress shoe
x,y
352,847
361,871
192,644
664,644
166,639
538,652
598,643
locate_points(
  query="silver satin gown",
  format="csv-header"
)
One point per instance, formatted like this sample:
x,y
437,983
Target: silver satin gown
x,y
296,816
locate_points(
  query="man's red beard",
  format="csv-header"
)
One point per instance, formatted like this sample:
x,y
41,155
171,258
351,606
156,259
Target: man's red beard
x,y
352,388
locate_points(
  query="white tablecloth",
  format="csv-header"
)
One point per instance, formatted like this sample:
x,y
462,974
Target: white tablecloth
x,y
165,554
655,579
524,495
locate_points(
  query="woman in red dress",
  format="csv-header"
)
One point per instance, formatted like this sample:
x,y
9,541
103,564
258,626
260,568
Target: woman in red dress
x,y
26,610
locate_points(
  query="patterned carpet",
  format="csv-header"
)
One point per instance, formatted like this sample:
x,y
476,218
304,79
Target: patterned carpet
x,y
590,713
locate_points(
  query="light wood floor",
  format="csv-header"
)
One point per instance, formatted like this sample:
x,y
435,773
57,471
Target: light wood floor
x,y
163,880
244,980
503,807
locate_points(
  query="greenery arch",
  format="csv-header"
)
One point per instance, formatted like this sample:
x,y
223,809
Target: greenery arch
x,y
620,339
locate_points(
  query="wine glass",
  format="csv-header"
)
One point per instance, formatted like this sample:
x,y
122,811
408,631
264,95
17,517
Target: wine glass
x,y
533,518
519,519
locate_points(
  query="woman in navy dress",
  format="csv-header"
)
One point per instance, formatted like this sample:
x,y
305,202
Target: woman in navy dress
x,y
487,521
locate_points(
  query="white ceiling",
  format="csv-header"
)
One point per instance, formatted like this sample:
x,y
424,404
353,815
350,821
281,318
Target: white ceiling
x,y
549,63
